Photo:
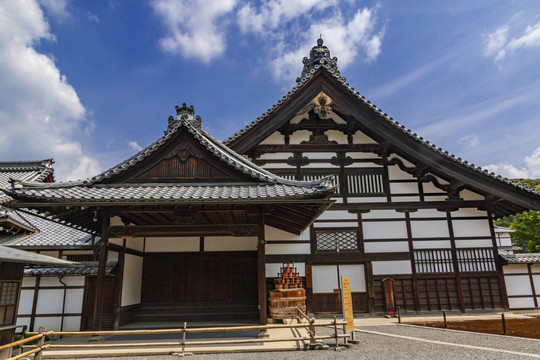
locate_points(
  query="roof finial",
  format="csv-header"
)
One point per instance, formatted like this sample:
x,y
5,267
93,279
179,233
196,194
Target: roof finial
x,y
319,56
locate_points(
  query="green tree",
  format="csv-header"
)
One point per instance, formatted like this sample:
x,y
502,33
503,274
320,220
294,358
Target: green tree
x,y
527,234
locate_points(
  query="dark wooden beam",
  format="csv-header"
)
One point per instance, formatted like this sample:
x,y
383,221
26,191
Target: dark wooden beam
x,y
118,286
131,231
449,205
455,263
261,272
498,264
413,264
100,283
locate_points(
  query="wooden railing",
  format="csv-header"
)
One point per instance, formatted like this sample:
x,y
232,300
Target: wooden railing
x,y
310,325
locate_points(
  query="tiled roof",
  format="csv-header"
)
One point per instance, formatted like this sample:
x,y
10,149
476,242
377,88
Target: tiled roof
x,y
87,268
173,192
23,170
532,258
48,234
330,66
9,254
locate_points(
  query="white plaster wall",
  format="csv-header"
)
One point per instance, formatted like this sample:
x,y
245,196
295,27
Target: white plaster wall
x,y
429,229
343,224
28,281
464,228
172,244
405,198
279,166
403,188
334,135
54,254
320,156
361,138
25,302
285,249
469,212
337,215
275,138
69,280
469,195
443,244
383,214
272,269
535,268
51,323
385,230
395,173
272,233
386,246
391,267
320,166
356,276
428,187
434,198
518,285
132,284
23,321
521,303
49,301
536,281
405,162
131,243
362,155
463,244
515,269
116,221
431,213
351,199
112,255
230,243
276,156
72,323
74,301
324,278
298,136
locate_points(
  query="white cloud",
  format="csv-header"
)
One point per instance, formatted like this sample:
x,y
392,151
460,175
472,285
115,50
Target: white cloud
x,y
56,8
91,17
134,145
469,141
195,27
348,40
498,46
40,113
532,169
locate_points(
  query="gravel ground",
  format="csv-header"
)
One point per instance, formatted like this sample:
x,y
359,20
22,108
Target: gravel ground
x,y
374,346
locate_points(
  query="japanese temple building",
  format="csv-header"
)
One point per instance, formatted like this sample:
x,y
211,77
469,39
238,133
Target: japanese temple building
x,y
323,178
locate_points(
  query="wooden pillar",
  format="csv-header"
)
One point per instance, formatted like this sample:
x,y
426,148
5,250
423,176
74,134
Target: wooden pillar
x,y
413,264
531,279
261,273
369,287
34,304
102,258
118,286
455,262
498,263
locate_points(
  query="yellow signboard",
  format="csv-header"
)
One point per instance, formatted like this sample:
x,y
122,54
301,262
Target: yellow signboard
x,y
347,303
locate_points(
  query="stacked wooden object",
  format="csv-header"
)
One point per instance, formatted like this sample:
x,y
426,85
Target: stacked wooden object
x,y
288,293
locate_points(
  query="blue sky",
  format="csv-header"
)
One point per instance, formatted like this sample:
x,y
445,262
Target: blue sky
x,y
90,82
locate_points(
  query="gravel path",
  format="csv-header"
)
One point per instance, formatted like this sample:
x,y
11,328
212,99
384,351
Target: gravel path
x,y
377,346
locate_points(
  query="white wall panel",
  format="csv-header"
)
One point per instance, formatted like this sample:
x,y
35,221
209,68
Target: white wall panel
x,y
469,195
298,136
430,213
383,214
278,166
343,224
74,301
334,135
435,198
28,281
23,321
430,229
275,156
385,230
535,268
54,254
405,162
469,212
464,228
135,244
518,285
72,323
274,138
112,255
515,269
351,199
51,323
230,243
430,188
391,267
173,244
361,138
356,276
536,281
463,244
272,269
395,173
387,246
322,167
442,244
271,233
337,215
362,155
285,249
49,301
324,278
26,301
405,198
320,156
403,188
521,303
132,284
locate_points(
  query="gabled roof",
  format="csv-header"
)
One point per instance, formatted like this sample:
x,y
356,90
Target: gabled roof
x,y
509,258
320,73
8,254
24,170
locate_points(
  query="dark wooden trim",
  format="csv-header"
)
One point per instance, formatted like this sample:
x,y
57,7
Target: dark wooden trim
x,y
413,264
48,315
455,262
201,244
360,233
183,230
78,287
498,263
519,296
84,315
433,239
127,250
261,273
100,284
34,303
410,205
532,285
313,239
442,218
368,268
337,258
271,242
118,286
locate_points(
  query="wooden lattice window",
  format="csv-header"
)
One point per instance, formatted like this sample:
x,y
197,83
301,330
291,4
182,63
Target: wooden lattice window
x,y
433,261
336,241
9,292
80,257
365,182
476,259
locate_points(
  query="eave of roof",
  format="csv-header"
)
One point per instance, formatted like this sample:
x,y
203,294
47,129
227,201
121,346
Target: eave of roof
x,y
509,258
8,254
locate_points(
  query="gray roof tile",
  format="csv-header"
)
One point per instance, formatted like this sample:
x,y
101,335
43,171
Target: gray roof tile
x,y
9,254
87,268
532,258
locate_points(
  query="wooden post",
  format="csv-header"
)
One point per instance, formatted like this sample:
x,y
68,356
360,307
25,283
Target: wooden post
x,y
413,264
498,264
40,342
369,287
34,304
389,302
118,286
504,324
102,258
261,272
455,262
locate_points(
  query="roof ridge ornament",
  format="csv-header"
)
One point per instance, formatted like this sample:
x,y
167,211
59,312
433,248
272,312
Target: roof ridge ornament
x,y
185,114
319,56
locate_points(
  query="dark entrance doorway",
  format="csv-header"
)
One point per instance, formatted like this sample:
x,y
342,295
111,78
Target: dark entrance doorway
x,y
201,287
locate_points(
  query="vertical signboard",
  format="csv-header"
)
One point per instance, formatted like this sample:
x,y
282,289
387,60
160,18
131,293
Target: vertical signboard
x,y
347,303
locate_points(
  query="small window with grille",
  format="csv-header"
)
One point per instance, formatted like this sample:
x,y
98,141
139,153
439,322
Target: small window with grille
x,y
336,240
9,292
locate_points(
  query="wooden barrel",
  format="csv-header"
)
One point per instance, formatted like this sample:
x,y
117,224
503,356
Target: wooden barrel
x,y
283,303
